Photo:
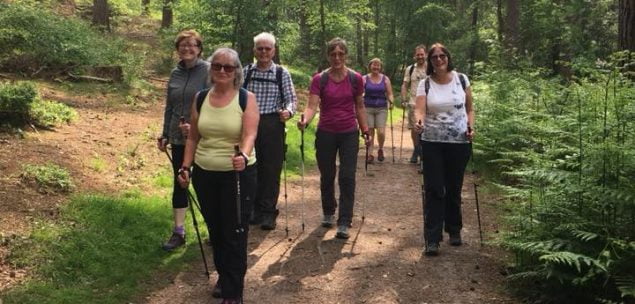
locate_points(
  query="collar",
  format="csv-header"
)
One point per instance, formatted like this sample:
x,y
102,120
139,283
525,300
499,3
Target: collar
x,y
271,68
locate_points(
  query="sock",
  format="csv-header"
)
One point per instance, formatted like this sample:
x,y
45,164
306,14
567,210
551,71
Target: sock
x,y
180,230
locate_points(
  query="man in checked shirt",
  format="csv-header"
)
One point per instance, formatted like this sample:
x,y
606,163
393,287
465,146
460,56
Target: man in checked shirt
x,y
276,99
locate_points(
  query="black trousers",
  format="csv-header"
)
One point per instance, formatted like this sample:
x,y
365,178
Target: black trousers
x,y
270,155
216,192
443,169
327,147
179,195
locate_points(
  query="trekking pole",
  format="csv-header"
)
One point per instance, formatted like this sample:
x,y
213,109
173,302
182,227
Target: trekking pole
x,y
198,206
190,200
238,217
478,211
367,144
403,119
392,135
302,167
286,205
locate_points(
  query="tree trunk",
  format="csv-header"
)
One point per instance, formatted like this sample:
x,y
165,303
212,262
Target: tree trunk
x,y
501,22
168,17
511,25
626,27
474,44
305,32
145,4
358,42
323,63
101,14
376,38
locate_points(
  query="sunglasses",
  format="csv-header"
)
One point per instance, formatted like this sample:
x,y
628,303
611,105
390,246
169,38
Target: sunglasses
x,y
441,57
264,48
227,67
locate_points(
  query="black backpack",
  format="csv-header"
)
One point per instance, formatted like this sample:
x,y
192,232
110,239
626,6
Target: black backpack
x,y
324,78
278,80
200,97
461,79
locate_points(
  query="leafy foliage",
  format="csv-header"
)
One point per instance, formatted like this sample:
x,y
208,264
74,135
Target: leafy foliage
x,y
47,113
49,177
563,154
16,98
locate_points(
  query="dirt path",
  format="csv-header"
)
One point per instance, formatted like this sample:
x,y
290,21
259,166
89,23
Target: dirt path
x,y
382,262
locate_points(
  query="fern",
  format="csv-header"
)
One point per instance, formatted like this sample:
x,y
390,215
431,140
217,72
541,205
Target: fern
x,y
573,260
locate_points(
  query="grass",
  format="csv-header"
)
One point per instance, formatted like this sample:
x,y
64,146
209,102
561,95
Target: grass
x,y
49,177
100,251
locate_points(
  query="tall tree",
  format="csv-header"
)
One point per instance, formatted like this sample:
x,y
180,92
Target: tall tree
x,y
101,14
511,25
168,15
626,26
145,5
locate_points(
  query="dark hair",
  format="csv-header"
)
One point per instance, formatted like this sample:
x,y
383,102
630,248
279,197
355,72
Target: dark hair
x,y
429,68
335,42
186,34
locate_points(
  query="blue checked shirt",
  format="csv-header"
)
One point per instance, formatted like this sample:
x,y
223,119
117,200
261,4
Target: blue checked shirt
x,y
267,93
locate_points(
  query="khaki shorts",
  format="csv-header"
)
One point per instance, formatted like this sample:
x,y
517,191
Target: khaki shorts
x,y
411,116
376,117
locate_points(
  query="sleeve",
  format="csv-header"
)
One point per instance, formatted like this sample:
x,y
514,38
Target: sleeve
x,y
406,74
315,85
289,92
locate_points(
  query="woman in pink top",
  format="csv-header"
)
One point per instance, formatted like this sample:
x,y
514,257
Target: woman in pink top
x,y
338,92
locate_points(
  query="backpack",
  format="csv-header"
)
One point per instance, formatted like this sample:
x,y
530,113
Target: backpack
x,y
278,80
242,98
324,78
412,69
461,79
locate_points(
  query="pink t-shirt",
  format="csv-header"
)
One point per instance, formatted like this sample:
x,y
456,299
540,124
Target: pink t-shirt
x,y
337,103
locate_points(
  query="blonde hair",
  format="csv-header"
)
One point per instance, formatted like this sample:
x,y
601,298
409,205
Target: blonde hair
x,y
381,64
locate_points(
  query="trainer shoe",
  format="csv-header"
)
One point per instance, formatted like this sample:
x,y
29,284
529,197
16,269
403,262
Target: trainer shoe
x,y
455,239
175,241
342,232
380,155
328,220
414,158
432,249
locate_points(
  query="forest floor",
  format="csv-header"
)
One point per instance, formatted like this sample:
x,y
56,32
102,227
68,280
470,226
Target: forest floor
x,y
382,262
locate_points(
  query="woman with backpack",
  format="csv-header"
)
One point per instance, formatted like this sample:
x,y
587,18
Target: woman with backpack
x,y
338,92
188,77
445,118
220,148
377,99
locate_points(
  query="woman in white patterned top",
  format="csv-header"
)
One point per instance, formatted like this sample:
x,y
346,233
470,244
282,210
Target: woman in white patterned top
x,y
445,119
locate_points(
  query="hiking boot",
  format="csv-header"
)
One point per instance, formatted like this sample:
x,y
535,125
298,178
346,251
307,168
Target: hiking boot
x,y
370,159
217,292
414,158
455,239
269,221
328,220
255,218
432,249
175,241
380,155
232,301
342,232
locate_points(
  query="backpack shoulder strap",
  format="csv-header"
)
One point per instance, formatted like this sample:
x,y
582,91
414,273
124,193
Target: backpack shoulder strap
x,y
280,89
462,80
242,98
412,69
248,76
200,97
353,80
426,84
324,78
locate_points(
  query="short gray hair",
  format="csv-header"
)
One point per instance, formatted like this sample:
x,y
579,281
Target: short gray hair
x,y
233,55
264,36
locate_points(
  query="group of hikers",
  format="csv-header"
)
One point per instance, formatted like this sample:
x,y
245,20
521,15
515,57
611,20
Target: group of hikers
x,y
225,125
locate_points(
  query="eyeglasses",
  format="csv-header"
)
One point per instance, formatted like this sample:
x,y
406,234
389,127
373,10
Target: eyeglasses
x,y
337,54
264,48
227,67
440,57
187,45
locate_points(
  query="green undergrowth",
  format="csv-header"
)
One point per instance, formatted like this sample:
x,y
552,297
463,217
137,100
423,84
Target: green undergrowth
x,y
100,250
